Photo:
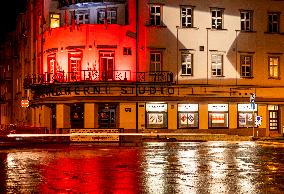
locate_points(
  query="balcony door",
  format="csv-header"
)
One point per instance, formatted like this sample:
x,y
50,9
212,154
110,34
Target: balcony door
x,y
107,65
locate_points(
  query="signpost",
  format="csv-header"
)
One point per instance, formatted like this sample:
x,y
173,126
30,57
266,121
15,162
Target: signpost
x,y
252,103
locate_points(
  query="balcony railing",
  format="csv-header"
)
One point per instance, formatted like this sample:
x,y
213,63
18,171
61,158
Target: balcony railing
x,y
96,76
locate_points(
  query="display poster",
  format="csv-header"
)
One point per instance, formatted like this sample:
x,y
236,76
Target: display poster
x,y
187,118
218,118
242,119
156,118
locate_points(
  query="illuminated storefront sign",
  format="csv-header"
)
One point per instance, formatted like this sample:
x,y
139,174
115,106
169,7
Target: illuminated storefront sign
x,y
246,107
187,116
44,91
218,107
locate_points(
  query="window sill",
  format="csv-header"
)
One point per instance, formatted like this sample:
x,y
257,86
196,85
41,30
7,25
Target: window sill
x,y
247,77
156,26
247,31
185,75
273,78
218,76
278,33
215,29
187,28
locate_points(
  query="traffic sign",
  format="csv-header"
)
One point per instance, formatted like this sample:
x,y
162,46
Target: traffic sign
x,y
252,98
25,103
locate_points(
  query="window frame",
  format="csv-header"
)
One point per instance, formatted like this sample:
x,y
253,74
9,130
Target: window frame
x,y
51,18
77,55
245,20
250,65
184,63
160,62
186,16
155,15
107,19
272,30
217,64
214,19
274,66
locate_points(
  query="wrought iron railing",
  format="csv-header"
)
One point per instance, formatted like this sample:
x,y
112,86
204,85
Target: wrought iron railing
x,y
96,76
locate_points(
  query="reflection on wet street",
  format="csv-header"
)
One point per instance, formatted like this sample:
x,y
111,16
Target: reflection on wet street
x,y
155,167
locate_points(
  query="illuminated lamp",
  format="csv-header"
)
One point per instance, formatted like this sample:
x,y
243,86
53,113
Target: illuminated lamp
x,y
25,103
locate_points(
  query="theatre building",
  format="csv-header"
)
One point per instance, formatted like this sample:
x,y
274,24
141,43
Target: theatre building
x,y
147,66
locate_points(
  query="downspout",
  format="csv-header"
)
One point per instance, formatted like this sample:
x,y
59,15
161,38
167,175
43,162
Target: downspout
x,y
137,61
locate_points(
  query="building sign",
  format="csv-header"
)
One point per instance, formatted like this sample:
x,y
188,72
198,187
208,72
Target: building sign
x,y
246,108
85,135
25,103
74,90
187,107
156,107
218,107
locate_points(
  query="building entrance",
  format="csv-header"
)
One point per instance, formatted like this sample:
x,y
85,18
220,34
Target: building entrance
x,y
77,116
107,116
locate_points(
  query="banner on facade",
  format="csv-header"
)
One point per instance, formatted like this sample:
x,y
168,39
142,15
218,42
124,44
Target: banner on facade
x,y
218,118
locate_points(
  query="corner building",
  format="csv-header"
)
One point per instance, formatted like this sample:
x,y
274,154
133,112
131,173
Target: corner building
x,y
167,66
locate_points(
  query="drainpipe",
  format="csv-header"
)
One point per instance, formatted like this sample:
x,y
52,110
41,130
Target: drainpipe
x,y
137,60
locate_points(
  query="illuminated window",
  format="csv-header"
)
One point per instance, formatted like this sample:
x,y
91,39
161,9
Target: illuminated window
x,y
218,116
186,17
107,16
155,61
155,15
273,22
216,65
186,63
217,18
245,115
82,17
246,66
273,117
273,67
74,67
54,20
246,20
127,51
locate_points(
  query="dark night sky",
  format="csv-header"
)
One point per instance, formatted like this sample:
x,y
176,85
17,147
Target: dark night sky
x,y
8,15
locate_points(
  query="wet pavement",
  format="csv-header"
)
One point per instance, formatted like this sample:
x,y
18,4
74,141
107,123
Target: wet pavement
x,y
154,167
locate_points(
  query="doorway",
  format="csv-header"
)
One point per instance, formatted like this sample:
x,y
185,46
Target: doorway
x,y
107,116
77,116
107,65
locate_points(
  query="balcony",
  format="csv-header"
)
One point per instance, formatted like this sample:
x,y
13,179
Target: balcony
x,y
67,3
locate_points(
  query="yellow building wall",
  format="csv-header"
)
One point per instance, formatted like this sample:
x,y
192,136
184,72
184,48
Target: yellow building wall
x,y
127,120
262,111
89,115
172,115
203,116
46,117
62,116
233,116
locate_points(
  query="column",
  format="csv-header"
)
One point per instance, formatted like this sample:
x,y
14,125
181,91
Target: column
x,y
89,115
62,116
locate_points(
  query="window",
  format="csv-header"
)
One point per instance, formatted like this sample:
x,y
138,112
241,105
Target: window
x,y
218,115
246,66
51,64
273,22
82,17
156,61
273,67
156,115
187,116
217,65
273,117
186,63
245,115
186,17
217,18
155,15
75,63
54,20
127,51
246,20
107,16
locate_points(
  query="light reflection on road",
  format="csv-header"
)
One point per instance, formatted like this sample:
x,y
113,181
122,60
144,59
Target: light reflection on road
x,y
155,167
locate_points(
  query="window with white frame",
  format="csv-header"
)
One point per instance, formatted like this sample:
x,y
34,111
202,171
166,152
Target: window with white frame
x,y
186,63
186,17
155,61
273,63
107,16
82,17
246,20
216,65
246,65
155,15
273,22
217,18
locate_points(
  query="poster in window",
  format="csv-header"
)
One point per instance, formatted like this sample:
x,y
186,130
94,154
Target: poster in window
x,y
242,119
183,118
190,118
249,117
155,118
218,118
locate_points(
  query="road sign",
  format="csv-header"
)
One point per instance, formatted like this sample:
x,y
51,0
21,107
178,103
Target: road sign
x,y
258,120
252,98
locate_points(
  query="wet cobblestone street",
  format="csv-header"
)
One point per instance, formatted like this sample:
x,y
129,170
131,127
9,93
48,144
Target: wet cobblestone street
x,y
154,167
